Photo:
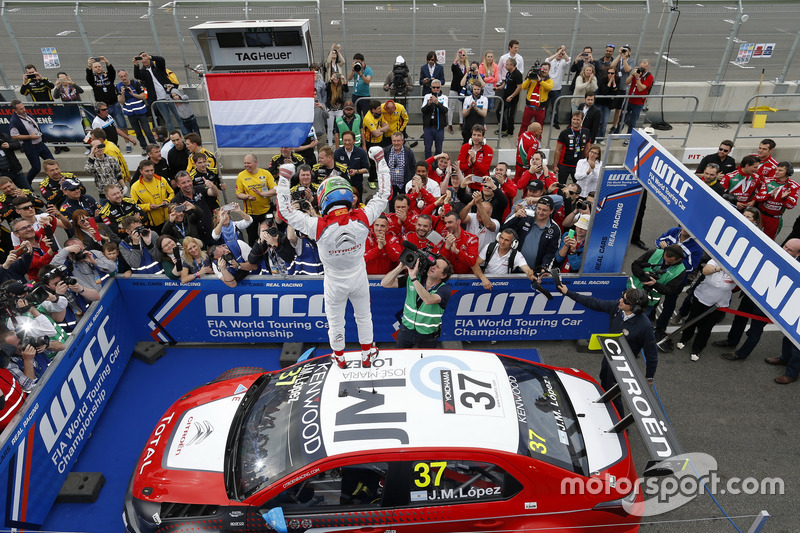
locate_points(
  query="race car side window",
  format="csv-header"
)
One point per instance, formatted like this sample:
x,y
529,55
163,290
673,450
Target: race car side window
x,y
353,486
436,482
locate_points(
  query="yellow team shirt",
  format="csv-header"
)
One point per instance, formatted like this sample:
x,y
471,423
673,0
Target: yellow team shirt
x,y
371,124
211,161
397,121
247,183
114,151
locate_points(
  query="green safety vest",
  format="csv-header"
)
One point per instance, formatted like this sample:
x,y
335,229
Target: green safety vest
x,y
341,127
425,318
653,296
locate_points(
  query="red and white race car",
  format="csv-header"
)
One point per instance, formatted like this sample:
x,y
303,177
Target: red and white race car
x,y
424,441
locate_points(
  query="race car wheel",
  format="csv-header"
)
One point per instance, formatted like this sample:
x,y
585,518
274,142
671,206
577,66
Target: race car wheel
x,y
238,372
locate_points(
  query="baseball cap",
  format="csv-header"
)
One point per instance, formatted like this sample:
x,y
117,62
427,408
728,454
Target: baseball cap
x,y
70,184
547,201
535,186
349,105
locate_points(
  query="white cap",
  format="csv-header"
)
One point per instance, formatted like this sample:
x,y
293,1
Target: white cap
x,y
399,61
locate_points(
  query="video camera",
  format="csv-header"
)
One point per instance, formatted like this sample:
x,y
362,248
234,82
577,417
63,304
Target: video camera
x,y
412,254
13,292
533,73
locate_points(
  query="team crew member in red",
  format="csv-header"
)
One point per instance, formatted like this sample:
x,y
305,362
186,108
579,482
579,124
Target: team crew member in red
x,y
766,163
775,197
422,231
383,248
439,167
458,247
744,182
403,220
341,234
476,156
528,143
573,144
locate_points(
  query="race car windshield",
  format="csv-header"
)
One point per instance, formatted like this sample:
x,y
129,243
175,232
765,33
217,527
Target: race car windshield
x,y
548,429
264,450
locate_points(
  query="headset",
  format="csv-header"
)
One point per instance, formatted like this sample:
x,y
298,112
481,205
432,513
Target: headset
x,y
789,168
640,303
514,237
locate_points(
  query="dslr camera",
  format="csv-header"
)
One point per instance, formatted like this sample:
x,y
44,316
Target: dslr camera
x,y
143,231
58,272
582,204
357,67
26,339
533,73
639,71
299,195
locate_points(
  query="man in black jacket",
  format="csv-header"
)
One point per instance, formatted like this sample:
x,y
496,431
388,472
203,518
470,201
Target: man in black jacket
x,y
539,236
103,87
9,164
434,119
592,116
629,318
153,74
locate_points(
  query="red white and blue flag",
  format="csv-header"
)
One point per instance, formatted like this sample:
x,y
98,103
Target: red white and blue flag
x,y
261,109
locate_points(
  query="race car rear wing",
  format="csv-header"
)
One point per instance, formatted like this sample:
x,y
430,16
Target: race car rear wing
x,y
642,405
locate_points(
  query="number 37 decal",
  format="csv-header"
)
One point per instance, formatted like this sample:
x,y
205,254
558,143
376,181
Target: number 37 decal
x,y
475,391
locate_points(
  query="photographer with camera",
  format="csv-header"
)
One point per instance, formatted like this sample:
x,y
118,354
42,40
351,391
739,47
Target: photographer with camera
x,y
89,267
19,302
361,75
640,83
138,248
228,267
621,68
67,300
194,201
398,82
659,273
35,249
427,294
272,253
24,362
537,87
558,65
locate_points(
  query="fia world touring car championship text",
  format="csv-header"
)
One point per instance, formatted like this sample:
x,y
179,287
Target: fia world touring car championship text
x,y
490,327
260,329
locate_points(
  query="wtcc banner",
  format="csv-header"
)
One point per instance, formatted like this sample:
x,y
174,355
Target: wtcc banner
x,y
612,223
276,310
58,122
38,455
760,267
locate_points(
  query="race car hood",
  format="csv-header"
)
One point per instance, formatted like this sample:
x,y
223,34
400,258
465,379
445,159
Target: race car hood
x,y
186,450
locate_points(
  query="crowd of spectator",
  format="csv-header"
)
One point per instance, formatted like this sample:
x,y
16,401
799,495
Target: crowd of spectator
x,y
482,216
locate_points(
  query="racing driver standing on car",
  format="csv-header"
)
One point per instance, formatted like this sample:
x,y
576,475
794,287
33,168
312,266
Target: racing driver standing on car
x,y
341,234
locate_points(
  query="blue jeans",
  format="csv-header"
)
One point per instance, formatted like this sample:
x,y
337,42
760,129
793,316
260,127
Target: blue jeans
x,y
601,132
115,110
790,355
141,127
435,137
33,152
632,116
168,110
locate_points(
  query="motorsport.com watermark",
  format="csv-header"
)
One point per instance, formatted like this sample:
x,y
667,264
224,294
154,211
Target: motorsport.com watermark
x,y
695,476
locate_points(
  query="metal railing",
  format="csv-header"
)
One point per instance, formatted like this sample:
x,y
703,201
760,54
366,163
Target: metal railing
x,y
79,29
746,110
626,97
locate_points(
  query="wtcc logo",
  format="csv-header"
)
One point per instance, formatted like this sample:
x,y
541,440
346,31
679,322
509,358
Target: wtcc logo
x,y
696,476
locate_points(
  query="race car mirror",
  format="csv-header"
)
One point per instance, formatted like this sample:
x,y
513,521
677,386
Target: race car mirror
x,y
275,519
642,403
